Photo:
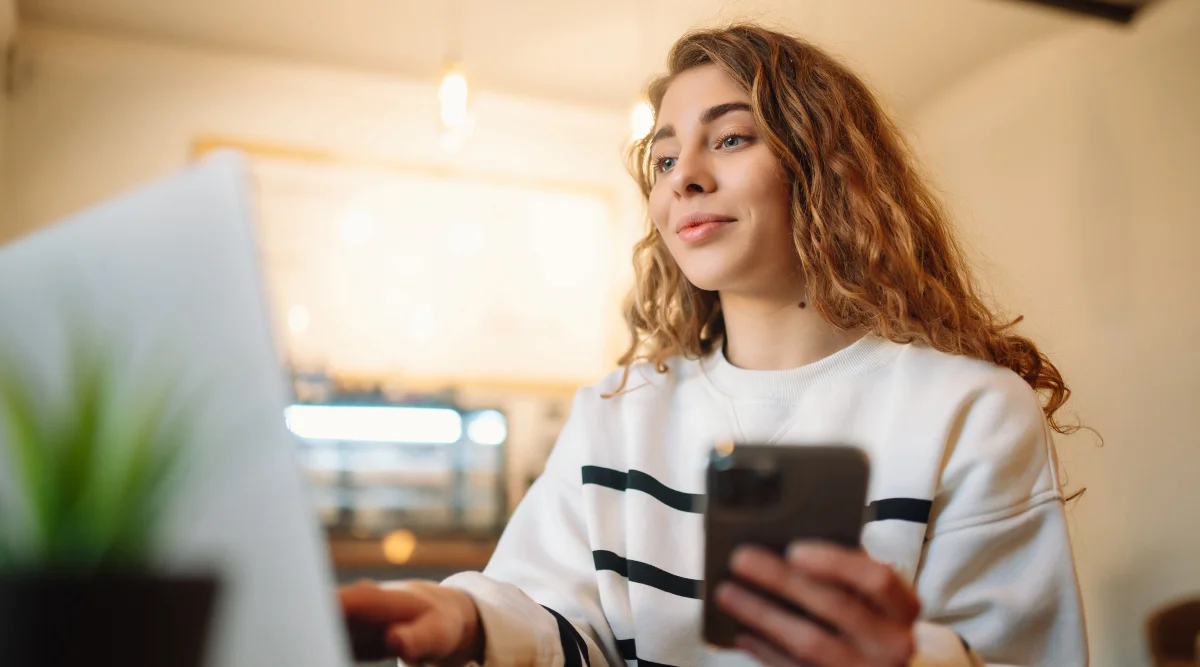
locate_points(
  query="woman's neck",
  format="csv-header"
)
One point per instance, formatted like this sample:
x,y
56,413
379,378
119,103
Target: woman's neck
x,y
777,334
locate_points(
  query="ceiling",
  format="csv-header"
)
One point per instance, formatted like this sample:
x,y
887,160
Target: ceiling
x,y
595,54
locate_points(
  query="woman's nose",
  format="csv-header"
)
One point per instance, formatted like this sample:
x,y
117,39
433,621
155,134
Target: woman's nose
x,y
692,176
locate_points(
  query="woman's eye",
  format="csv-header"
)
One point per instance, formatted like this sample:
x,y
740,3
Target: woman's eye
x,y
732,141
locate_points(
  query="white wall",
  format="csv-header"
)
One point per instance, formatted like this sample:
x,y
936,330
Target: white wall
x,y
1072,167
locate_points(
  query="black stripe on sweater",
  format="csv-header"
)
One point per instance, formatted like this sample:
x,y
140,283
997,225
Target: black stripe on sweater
x,y
643,573
628,650
636,480
914,510
573,645
899,509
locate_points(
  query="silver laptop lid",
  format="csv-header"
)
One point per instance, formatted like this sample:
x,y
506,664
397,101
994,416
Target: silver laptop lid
x,y
164,285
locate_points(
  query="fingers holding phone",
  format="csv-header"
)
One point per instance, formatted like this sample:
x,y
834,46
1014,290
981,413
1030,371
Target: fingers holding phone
x,y
857,611
867,580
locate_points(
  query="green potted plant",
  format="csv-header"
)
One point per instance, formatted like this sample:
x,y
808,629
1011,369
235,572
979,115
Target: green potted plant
x,y
85,474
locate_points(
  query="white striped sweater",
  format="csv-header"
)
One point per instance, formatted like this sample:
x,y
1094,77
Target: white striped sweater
x,y
602,561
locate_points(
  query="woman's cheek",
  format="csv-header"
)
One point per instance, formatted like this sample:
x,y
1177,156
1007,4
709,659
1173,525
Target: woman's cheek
x,y
659,214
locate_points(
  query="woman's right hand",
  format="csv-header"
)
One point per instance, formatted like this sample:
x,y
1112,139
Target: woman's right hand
x,y
417,621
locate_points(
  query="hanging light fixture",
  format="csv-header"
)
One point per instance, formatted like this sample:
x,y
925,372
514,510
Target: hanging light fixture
x,y
452,97
453,92
641,116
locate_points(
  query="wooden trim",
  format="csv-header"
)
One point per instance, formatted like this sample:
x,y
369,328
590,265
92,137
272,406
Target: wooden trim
x,y
499,385
204,144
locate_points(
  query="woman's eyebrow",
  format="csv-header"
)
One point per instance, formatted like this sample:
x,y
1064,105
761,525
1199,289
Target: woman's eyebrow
x,y
710,114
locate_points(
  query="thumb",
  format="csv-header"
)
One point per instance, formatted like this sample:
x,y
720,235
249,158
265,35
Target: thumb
x,y
370,603
430,636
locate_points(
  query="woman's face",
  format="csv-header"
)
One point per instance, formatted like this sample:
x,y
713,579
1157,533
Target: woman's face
x,y
720,199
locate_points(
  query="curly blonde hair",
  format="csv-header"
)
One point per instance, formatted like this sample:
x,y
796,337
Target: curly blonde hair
x,y
873,240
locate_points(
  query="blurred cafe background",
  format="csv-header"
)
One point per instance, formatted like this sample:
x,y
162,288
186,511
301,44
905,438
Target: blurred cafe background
x,y
445,225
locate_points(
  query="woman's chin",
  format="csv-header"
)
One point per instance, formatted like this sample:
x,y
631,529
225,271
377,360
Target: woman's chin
x,y
716,269
708,281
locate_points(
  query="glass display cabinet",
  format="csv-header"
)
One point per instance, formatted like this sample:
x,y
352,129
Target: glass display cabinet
x,y
377,467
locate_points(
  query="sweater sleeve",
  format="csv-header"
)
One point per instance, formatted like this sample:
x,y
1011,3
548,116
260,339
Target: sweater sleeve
x,y
537,598
997,579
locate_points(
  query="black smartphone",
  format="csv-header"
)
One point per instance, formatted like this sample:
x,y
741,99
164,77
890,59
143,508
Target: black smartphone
x,y
770,496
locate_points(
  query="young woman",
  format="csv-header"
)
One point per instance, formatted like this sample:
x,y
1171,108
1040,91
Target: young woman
x,y
798,283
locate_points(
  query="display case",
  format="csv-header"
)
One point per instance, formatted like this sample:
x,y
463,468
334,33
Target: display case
x,y
378,467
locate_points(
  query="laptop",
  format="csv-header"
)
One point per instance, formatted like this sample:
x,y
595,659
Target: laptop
x,y
166,281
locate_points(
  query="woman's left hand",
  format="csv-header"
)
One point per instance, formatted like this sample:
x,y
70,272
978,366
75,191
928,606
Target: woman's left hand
x,y
869,609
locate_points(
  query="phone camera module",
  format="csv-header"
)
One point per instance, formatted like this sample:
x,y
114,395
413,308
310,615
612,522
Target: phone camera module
x,y
749,487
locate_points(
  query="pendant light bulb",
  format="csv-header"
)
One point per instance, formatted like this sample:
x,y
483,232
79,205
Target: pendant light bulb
x,y
641,120
452,96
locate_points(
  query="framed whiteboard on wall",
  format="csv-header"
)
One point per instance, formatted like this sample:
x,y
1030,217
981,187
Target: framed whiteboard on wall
x,y
424,273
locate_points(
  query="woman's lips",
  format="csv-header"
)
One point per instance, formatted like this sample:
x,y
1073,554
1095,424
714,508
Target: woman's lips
x,y
701,231
700,226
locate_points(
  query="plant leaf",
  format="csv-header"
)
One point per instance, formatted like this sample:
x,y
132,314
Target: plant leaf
x,y
30,457
97,468
74,540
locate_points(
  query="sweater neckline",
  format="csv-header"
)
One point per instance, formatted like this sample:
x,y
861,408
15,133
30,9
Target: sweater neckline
x,y
867,353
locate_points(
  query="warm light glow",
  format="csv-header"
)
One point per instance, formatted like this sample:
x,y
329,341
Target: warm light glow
x,y
398,546
357,226
355,423
451,140
298,319
452,95
467,239
641,120
487,428
422,325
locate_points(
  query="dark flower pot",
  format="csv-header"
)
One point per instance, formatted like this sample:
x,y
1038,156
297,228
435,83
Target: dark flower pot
x,y
105,620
